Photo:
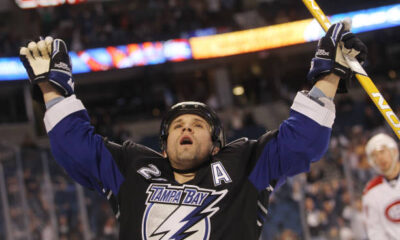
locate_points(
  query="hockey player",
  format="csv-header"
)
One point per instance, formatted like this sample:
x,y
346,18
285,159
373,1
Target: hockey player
x,y
381,198
198,187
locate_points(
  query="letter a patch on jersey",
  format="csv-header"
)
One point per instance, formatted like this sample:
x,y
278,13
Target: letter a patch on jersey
x,y
219,174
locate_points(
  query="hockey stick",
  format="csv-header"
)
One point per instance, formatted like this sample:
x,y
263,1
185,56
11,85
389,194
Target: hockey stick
x,y
361,75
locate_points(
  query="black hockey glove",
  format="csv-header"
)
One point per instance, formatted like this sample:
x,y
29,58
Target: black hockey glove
x,y
329,55
352,46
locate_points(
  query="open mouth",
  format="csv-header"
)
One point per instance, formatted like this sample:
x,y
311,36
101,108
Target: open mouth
x,y
186,141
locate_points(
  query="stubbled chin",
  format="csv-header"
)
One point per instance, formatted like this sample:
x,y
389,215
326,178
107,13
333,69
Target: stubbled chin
x,y
186,147
182,149
186,150
186,158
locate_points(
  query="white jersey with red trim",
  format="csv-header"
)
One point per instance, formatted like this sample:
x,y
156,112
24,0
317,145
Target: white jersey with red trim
x,y
381,206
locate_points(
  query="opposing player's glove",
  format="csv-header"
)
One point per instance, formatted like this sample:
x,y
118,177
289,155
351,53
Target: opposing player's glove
x,y
329,55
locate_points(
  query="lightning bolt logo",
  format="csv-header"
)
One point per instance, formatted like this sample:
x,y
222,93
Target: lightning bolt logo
x,y
191,217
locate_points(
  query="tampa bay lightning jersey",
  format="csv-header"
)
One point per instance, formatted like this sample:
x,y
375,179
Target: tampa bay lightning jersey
x,y
228,197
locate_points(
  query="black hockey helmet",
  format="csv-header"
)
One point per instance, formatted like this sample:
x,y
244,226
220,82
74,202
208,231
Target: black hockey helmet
x,y
197,108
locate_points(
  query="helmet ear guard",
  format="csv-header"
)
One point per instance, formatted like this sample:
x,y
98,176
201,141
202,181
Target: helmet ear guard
x,y
197,108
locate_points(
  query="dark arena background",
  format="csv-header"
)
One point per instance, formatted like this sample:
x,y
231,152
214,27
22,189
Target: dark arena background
x,y
133,59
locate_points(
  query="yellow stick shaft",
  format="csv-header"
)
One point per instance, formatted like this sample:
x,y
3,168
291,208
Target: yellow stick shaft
x,y
364,80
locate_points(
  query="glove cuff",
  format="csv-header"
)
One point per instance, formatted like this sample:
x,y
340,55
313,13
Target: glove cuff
x,y
60,88
319,68
343,72
62,81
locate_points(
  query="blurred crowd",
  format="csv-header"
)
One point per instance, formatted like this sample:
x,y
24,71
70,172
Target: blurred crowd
x,y
121,22
334,189
49,205
131,21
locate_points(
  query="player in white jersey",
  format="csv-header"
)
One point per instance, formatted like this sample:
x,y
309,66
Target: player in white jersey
x,y
381,198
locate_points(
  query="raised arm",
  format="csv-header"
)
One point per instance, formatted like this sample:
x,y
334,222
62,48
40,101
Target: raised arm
x,y
304,137
75,146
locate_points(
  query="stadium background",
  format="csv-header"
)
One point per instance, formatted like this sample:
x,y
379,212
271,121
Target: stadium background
x,y
252,92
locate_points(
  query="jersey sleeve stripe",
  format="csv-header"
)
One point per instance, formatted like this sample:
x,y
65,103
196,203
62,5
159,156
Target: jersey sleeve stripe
x,y
62,109
263,209
310,108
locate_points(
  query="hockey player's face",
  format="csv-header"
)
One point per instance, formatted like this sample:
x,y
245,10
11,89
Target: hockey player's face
x,y
189,141
383,158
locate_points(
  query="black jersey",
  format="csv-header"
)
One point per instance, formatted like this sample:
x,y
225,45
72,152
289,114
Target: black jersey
x,y
218,196
227,199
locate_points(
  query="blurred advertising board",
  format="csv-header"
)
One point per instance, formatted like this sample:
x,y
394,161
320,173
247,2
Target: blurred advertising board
x,y
211,46
45,3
